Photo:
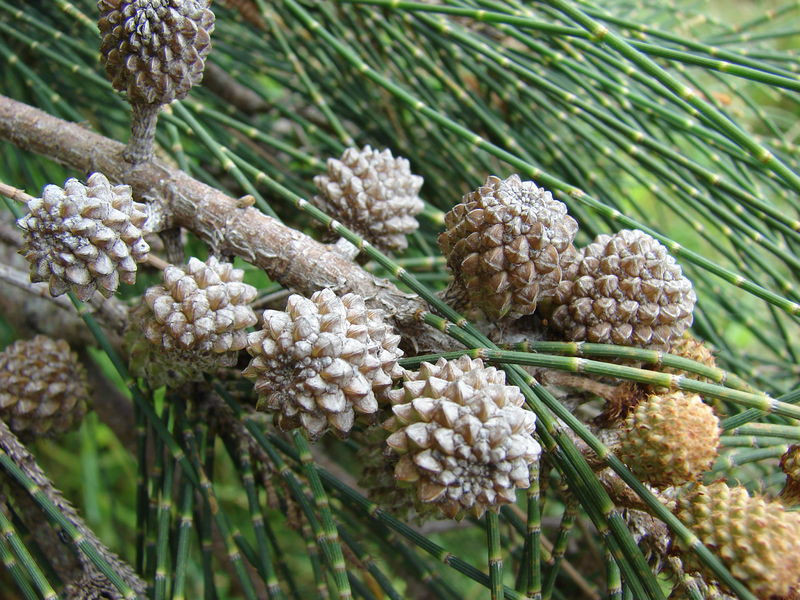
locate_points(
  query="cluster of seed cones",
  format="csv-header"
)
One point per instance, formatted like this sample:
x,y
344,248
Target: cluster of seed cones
x,y
510,247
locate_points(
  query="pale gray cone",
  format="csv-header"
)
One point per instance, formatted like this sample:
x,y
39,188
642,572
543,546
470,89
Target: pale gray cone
x,y
84,237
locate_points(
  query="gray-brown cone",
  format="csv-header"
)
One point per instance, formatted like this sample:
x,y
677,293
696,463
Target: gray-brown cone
x,y
155,49
43,387
627,290
194,323
322,361
84,237
372,193
465,441
202,307
507,244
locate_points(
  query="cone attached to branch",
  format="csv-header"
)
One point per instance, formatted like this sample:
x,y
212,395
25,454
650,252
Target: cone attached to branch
x,y
372,193
464,440
790,464
507,244
154,50
626,290
43,387
84,237
322,361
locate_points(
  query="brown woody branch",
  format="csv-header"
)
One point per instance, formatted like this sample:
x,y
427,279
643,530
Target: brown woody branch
x,y
229,226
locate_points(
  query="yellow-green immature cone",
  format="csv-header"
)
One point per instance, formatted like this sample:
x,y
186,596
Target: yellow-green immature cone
x,y
43,387
464,439
758,540
670,439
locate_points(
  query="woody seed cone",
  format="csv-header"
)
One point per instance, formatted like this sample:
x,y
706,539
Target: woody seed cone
x,y
322,361
43,387
84,237
507,243
465,442
372,193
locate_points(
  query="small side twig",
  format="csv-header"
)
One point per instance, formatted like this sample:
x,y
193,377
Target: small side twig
x,y
14,193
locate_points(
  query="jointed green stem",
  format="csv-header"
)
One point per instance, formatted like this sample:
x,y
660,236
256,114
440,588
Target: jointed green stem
x,y
495,558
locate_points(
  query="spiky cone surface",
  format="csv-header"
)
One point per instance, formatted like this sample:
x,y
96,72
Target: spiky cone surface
x,y
203,307
670,439
84,237
372,193
43,387
507,244
155,49
758,540
790,464
626,396
323,361
626,290
464,440
688,346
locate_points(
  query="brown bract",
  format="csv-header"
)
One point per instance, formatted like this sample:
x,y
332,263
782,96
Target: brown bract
x,y
790,464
